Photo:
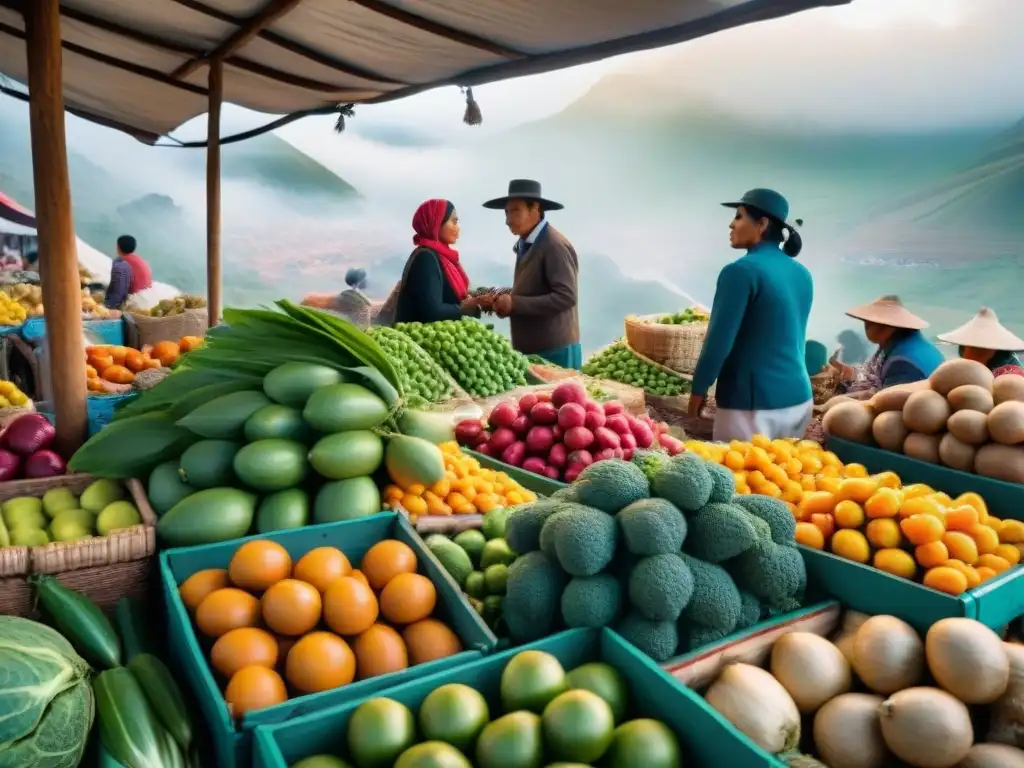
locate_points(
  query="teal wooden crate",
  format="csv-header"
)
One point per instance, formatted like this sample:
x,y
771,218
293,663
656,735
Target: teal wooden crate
x,y
233,743
542,486
994,603
1002,499
709,740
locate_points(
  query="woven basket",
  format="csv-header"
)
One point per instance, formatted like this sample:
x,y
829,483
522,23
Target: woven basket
x,y
104,568
153,330
677,347
672,410
7,415
824,384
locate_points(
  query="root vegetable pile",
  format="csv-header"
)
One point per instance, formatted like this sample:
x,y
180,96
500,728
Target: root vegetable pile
x,y
658,548
421,377
918,706
480,360
619,363
559,434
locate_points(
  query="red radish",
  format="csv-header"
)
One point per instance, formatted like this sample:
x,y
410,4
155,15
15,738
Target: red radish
x,y
514,454
557,455
671,444
539,440
617,423
643,435
543,397
502,438
535,464
578,438
583,458
606,438
628,442
604,454
28,434
618,453
558,432
594,419
571,415
572,473
468,432
663,426
551,473
627,454
612,407
569,392
526,402
484,449
544,413
592,405
521,425
45,463
10,463
503,414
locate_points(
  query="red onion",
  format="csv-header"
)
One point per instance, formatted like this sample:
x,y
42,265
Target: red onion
x,y
45,463
28,434
9,465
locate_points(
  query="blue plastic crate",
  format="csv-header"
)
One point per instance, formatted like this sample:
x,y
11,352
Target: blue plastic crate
x,y
6,330
233,743
34,329
105,331
101,409
708,739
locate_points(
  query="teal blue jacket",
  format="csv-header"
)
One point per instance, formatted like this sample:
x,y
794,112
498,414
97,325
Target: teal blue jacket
x,y
910,358
755,343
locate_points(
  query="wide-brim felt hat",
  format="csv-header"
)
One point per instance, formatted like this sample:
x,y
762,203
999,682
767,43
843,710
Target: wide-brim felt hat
x,y
888,310
984,331
768,201
524,189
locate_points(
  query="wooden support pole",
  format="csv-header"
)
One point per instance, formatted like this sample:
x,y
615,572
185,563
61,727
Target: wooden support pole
x,y
58,252
213,278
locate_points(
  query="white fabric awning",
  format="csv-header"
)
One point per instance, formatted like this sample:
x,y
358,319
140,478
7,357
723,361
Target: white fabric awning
x,y
140,65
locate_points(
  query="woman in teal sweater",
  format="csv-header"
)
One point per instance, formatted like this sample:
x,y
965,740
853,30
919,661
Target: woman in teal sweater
x,y
755,343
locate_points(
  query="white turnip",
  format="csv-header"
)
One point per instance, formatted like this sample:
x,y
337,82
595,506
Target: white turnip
x,y
578,438
544,413
539,440
502,438
606,438
568,392
514,454
534,464
557,455
503,414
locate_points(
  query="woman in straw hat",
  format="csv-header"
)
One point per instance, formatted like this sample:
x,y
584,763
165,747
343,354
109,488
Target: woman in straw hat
x,y
984,339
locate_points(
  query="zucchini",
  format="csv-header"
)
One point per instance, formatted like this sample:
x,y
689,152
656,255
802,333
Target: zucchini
x,y
80,620
132,621
128,727
164,695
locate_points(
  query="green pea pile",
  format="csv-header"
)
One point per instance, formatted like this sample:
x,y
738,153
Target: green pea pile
x,y
421,377
686,317
618,363
480,360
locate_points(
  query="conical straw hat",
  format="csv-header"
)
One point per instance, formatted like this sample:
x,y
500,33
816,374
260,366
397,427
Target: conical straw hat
x,y
888,310
984,331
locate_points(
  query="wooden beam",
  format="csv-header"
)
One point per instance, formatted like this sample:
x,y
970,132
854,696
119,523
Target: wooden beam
x,y
271,12
58,252
213,270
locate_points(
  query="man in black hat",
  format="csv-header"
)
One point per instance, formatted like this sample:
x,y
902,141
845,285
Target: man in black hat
x,y
542,305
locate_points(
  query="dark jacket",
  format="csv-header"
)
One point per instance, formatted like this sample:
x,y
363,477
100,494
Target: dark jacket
x,y
545,295
425,295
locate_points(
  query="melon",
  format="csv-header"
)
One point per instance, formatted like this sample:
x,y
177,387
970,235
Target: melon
x,y
1006,423
922,447
970,397
848,734
849,421
810,668
956,373
889,430
926,412
967,659
1008,387
888,655
926,727
756,704
955,454
852,621
1006,724
1001,462
894,398
969,427
993,756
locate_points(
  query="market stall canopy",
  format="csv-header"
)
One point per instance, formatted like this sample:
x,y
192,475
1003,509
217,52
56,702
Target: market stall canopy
x,y
140,65
13,213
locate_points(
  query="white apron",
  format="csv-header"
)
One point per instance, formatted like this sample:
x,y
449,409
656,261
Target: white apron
x,y
776,423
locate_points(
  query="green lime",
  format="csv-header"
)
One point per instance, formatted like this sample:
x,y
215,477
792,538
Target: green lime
x,y
602,679
379,731
492,608
643,743
530,680
454,714
475,585
320,761
512,741
494,523
473,542
578,726
496,577
432,754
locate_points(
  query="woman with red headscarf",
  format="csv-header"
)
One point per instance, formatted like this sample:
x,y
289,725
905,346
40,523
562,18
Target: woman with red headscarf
x,y
434,285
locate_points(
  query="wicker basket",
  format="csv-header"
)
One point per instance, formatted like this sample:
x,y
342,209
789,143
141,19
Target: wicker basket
x,y
673,411
675,346
143,329
824,384
105,568
7,415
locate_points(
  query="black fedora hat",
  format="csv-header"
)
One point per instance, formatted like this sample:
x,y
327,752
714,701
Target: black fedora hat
x,y
524,189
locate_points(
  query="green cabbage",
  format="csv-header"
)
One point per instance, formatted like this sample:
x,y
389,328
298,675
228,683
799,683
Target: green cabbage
x,y
46,702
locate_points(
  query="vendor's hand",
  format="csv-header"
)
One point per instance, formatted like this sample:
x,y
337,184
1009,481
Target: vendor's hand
x,y
469,305
485,302
503,305
695,406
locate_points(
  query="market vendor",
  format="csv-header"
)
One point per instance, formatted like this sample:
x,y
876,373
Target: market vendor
x,y
984,339
542,305
755,342
129,274
434,284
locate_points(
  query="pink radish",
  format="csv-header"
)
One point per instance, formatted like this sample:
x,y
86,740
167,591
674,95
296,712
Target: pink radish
x,y
606,438
583,458
569,392
572,472
534,464
558,432
521,425
571,415
514,454
526,403
594,419
502,438
612,407
578,438
558,455
592,405
628,442
643,435
484,449
618,424
604,454
544,413
539,440
503,414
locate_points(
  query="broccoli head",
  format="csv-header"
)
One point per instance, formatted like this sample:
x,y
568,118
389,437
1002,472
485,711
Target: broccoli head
x,y
715,603
660,587
652,527
522,528
649,461
592,601
772,572
684,480
533,597
774,512
658,639
584,540
750,610
719,532
723,484
610,485
564,494
546,540
692,637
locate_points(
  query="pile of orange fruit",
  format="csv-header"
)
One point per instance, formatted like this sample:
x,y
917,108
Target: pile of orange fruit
x,y
281,629
466,489
118,365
